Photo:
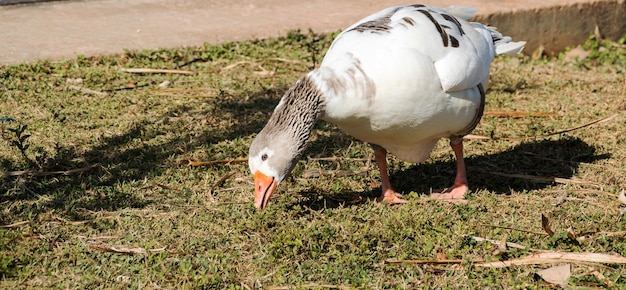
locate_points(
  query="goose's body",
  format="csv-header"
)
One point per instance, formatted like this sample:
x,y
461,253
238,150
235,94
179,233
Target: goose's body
x,y
400,79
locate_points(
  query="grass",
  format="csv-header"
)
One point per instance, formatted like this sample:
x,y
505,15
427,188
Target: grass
x,y
90,178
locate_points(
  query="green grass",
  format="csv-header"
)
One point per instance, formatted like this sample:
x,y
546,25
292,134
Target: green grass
x,y
132,188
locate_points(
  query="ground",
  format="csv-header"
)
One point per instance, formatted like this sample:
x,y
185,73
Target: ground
x,y
98,192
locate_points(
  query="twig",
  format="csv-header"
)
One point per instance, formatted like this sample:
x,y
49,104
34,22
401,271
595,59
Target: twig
x,y
478,137
514,229
158,184
225,161
516,114
47,173
432,262
294,61
124,250
335,158
307,286
15,225
594,235
86,90
556,257
75,223
127,88
197,59
236,64
157,71
220,181
541,179
508,244
338,173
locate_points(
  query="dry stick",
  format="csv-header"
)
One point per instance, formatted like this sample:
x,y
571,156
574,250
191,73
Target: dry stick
x,y
15,225
478,137
432,262
307,286
46,173
335,158
225,161
86,90
166,94
75,223
177,92
542,179
517,114
337,173
556,257
514,229
157,71
158,184
220,181
235,64
508,244
294,61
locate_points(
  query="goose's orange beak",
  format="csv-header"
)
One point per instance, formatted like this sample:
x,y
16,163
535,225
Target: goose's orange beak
x,y
264,186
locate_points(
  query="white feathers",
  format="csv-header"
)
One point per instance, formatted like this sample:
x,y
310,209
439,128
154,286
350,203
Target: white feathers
x,y
423,66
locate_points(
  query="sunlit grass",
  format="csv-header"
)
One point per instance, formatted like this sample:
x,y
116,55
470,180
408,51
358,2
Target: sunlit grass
x,y
110,171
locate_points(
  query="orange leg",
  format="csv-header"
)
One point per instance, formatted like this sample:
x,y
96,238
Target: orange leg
x,y
459,188
389,195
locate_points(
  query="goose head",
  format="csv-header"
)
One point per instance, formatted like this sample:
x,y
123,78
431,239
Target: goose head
x,y
272,157
278,147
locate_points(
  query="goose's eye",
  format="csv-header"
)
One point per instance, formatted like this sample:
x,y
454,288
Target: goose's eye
x,y
264,157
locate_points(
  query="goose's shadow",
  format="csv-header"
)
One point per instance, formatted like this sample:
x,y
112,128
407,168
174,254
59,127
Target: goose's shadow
x,y
545,158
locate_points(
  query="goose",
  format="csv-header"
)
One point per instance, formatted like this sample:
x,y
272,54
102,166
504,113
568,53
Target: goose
x,y
400,79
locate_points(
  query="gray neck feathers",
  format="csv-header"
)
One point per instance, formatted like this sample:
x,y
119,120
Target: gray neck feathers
x,y
298,111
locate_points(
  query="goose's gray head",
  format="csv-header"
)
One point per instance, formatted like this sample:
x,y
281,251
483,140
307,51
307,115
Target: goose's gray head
x,y
273,154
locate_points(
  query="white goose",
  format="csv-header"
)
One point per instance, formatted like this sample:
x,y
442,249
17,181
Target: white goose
x,y
400,79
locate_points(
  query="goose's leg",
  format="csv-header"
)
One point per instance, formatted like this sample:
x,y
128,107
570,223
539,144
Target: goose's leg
x,y
459,188
389,195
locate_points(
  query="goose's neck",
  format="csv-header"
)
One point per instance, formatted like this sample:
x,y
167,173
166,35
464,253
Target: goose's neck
x,y
298,111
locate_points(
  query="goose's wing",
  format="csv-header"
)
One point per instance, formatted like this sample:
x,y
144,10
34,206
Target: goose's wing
x,y
460,51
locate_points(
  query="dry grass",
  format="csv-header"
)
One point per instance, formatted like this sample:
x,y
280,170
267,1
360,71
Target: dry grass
x,y
104,196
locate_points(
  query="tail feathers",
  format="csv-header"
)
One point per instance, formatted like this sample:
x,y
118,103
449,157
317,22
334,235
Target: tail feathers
x,y
509,47
503,44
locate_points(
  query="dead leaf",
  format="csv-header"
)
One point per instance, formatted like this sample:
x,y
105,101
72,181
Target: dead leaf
x,y
560,199
441,254
576,53
622,196
572,236
545,224
602,278
556,275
